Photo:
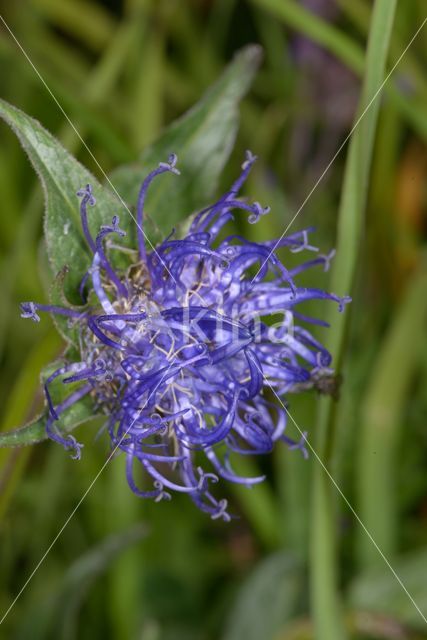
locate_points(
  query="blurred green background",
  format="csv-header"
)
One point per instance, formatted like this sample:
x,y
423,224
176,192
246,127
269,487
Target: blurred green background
x,y
125,568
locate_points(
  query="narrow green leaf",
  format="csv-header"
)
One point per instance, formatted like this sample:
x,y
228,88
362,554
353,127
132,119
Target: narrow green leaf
x,y
383,422
89,22
203,139
61,176
17,409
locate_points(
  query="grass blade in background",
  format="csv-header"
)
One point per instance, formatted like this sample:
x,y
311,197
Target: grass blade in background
x,y
324,579
18,409
382,423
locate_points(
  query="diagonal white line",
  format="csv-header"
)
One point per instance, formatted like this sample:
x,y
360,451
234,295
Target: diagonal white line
x,y
86,493
356,124
72,125
349,505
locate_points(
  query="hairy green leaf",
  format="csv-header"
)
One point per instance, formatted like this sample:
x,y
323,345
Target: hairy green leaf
x,y
61,176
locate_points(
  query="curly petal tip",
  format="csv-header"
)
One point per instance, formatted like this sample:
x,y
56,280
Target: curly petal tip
x,y
29,311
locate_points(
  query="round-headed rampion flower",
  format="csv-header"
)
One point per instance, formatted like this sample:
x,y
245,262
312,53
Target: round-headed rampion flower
x,y
178,350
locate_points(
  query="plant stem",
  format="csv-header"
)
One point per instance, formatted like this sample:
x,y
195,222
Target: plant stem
x,y
326,606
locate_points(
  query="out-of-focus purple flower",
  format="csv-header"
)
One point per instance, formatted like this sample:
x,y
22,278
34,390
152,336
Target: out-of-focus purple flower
x,y
328,92
178,351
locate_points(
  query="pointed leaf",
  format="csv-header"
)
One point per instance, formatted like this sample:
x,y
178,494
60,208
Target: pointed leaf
x,y
62,176
203,139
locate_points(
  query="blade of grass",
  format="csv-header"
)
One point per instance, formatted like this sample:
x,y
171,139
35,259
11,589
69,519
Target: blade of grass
x,y
147,82
17,411
92,24
126,609
49,50
324,577
219,22
382,422
359,12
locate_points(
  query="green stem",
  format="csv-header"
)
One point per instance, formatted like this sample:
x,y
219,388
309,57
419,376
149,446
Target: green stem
x,y
325,599
324,563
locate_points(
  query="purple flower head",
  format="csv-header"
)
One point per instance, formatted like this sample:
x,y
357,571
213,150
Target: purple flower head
x,y
178,350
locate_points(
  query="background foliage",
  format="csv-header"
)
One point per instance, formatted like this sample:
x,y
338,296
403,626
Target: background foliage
x,y
123,71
